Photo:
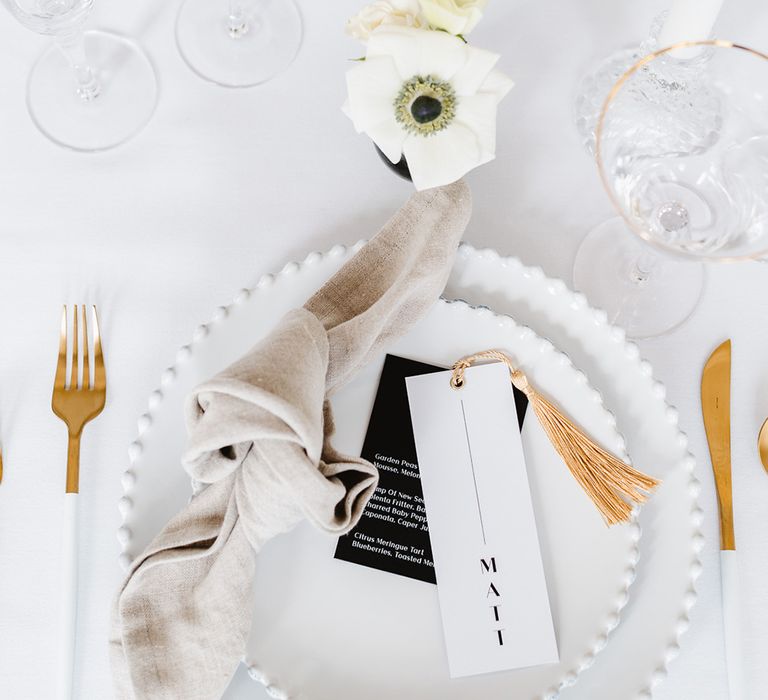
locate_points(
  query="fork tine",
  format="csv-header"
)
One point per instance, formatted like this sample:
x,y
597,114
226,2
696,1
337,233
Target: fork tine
x,y
75,356
99,375
86,364
61,367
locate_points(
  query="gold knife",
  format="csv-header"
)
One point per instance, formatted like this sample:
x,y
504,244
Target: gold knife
x,y
716,408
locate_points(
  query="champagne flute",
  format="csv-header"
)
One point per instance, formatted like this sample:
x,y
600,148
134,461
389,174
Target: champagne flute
x,y
682,149
238,43
90,90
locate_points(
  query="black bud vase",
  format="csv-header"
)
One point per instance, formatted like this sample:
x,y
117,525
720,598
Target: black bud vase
x,y
400,168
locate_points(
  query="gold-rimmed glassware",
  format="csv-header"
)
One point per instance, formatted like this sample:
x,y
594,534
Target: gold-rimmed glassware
x,y
682,151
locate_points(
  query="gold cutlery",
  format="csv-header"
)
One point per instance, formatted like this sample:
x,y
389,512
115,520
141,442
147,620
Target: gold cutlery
x,y
762,445
716,408
76,402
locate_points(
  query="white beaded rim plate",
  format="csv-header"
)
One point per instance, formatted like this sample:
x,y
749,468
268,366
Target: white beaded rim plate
x,y
590,568
334,259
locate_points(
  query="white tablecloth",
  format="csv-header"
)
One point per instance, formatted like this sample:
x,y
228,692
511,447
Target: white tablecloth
x,y
227,184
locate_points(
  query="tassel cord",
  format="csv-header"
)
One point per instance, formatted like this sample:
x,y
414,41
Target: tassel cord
x,y
612,484
622,476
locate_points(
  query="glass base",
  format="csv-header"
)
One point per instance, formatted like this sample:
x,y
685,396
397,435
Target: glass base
x,y
646,293
125,103
239,54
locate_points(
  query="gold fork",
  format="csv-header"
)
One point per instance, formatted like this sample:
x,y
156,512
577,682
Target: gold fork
x,y
76,403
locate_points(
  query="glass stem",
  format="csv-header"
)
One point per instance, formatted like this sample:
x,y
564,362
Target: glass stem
x,y
643,267
237,18
86,83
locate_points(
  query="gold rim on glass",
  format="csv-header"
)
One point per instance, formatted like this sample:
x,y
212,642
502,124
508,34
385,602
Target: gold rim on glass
x,y
617,87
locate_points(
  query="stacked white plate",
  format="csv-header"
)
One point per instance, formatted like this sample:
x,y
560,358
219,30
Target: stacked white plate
x,y
615,636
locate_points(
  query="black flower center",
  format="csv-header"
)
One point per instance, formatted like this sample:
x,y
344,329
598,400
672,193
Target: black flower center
x,y
426,108
425,105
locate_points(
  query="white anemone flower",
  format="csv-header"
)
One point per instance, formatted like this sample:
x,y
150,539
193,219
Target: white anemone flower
x,y
428,96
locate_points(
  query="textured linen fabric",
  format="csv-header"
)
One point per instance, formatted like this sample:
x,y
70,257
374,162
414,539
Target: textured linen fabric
x,y
259,438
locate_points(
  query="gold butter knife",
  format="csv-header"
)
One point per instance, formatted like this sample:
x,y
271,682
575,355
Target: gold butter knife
x,y
716,408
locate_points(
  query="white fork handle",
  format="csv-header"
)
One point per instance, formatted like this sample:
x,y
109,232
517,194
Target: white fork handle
x,y
729,576
69,598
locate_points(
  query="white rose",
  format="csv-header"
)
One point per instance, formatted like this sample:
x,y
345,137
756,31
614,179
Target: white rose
x,y
406,13
454,16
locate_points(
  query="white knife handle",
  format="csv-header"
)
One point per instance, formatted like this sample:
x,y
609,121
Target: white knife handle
x,y
68,622
729,576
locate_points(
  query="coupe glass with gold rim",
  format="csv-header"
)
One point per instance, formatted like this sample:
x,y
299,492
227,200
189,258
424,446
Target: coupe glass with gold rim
x,y
682,149
90,90
238,43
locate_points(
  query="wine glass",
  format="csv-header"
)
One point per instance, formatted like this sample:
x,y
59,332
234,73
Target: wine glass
x,y
90,90
238,43
596,84
682,150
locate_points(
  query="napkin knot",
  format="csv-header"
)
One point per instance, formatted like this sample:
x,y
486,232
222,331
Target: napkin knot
x,y
266,420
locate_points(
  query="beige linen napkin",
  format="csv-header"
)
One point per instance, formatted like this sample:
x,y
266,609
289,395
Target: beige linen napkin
x,y
259,437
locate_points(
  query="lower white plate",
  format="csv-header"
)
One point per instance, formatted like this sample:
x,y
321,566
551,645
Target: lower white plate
x,y
305,644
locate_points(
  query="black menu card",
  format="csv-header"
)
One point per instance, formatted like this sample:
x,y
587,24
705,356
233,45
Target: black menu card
x,y
393,534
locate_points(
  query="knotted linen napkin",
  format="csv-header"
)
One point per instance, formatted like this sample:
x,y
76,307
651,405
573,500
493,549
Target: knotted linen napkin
x,y
259,437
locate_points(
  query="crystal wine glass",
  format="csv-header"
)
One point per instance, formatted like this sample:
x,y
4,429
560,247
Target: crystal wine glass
x,y
596,84
238,43
682,149
90,90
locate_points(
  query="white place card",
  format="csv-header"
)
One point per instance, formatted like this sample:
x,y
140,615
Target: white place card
x,y
490,578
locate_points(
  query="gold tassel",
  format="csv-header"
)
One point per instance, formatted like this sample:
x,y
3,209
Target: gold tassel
x,y
613,485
